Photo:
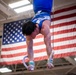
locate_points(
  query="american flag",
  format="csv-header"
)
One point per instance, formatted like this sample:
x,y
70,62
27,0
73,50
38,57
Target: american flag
x,y
63,38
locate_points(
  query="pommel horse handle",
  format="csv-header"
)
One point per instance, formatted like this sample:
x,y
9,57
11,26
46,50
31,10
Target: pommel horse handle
x,y
24,63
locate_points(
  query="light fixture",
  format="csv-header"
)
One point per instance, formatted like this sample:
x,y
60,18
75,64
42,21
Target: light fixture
x,y
75,58
21,6
24,8
4,70
19,3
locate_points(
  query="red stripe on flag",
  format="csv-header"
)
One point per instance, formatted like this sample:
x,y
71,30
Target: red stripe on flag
x,y
64,54
14,55
65,46
64,39
63,17
14,48
64,10
63,24
64,31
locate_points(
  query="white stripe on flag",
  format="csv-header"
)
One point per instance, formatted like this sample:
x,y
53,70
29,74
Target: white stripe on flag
x,y
63,20
64,13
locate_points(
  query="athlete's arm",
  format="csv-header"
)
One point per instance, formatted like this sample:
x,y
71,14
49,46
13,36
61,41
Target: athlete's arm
x,y
29,43
47,36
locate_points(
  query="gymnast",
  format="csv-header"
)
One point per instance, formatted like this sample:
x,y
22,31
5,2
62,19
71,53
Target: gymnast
x,y
40,23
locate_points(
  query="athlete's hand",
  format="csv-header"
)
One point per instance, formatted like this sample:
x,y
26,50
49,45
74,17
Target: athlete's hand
x,y
50,65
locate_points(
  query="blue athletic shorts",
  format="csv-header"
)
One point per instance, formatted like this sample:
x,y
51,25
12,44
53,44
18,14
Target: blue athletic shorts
x,y
40,17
